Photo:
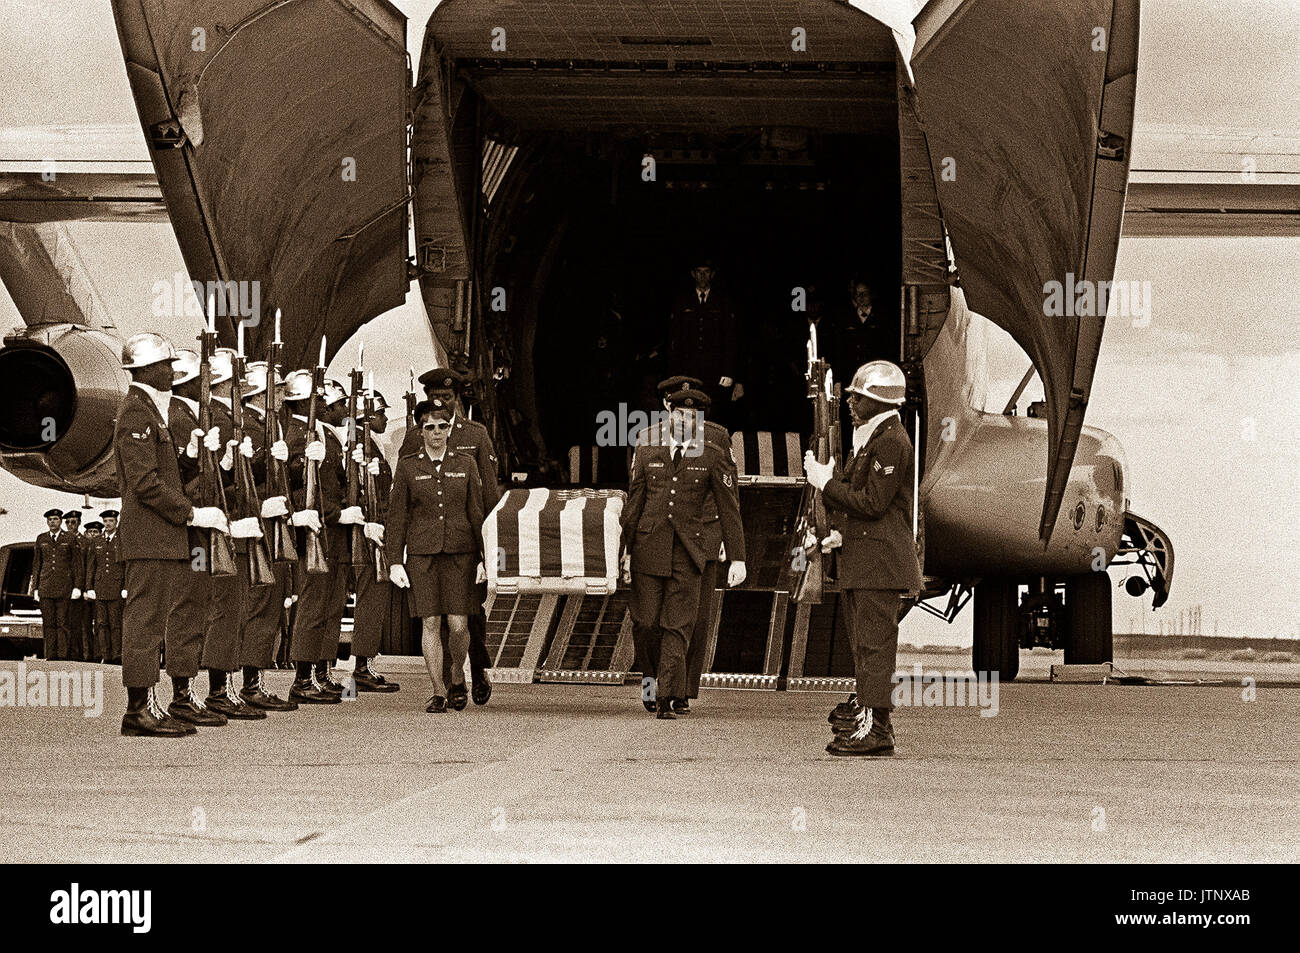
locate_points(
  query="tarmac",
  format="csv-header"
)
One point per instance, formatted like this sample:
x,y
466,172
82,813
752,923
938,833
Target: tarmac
x,y
1062,772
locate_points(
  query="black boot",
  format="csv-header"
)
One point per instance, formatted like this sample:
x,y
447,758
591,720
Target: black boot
x,y
223,700
307,691
145,717
842,715
187,706
664,707
326,680
872,736
367,679
256,695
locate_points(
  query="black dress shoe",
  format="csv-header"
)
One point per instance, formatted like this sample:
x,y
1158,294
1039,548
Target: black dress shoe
x,y
437,704
680,706
188,707
482,687
307,691
664,709
457,697
145,718
367,680
256,695
232,706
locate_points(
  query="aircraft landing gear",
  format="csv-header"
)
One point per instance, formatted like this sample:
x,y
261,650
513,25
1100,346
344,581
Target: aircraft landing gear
x,y
1087,606
997,628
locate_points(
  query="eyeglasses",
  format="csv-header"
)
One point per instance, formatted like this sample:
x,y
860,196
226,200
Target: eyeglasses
x,y
439,427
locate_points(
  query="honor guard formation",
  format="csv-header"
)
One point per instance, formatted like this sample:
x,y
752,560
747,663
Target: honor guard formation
x,y
254,500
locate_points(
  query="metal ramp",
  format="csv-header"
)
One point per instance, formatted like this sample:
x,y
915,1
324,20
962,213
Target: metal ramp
x,y
517,625
593,641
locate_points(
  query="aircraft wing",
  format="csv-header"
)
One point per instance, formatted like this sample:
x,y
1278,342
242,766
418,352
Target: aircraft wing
x,y
278,133
1027,111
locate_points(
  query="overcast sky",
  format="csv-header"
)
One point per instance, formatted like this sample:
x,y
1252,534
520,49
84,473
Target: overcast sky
x,y
1220,357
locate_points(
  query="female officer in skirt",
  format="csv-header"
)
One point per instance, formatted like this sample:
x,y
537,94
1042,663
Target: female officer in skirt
x,y
434,543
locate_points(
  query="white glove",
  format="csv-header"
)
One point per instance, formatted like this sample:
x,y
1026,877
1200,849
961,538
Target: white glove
x,y
480,574
246,448
725,382
397,576
248,528
834,540
90,594
358,455
123,593
212,440
307,518
76,593
274,506
352,516
738,391
228,460
373,467
210,517
819,474
735,574
375,533
192,448
315,451
627,567
280,450
36,594
288,601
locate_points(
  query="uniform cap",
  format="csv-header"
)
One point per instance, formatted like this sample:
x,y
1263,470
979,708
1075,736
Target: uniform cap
x,y
438,408
146,348
882,381
72,515
442,378
185,366
94,524
678,383
58,513
105,514
689,399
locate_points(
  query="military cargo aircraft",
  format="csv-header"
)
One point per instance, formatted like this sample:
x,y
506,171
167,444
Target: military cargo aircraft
x,y
965,153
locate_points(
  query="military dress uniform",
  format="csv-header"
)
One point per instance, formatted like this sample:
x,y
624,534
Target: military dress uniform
x,y
471,438
372,617
106,578
664,530
870,504
80,612
704,343
55,573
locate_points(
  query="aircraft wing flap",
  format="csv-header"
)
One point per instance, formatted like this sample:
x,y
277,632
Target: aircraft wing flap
x,y
278,132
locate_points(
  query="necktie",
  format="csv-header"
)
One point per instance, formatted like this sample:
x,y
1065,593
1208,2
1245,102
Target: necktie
x,y
704,296
677,455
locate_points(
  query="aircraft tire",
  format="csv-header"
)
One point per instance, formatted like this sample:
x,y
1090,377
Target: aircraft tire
x,y
997,628
1087,606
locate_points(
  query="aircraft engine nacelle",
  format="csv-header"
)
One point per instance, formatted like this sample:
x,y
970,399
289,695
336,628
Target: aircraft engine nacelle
x,y
60,389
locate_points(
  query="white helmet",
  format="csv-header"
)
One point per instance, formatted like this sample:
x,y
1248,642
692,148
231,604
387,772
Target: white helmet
x,y
297,386
880,380
254,379
185,367
223,367
141,350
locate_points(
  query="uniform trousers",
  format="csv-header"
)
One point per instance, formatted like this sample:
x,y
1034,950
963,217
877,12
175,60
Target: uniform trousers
x,y
873,627
372,618
223,622
155,588
188,622
322,600
700,634
264,610
54,626
77,647
108,628
666,606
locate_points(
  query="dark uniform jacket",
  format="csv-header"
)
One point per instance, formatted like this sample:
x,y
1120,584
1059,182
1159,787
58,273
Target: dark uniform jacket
x,y
703,339
155,509
434,508
718,436
105,573
377,508
666,501
467,436
870,503
332,491
848,342
55,569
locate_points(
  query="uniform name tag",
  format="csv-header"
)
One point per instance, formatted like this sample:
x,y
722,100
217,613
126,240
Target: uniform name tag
x,y
655,463
425,476
458,474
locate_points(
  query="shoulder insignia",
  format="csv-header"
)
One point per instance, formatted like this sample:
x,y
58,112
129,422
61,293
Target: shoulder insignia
x,y
887,470
875,464
726,480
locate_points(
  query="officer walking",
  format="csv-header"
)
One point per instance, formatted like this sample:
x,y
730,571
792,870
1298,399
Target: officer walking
x,y
105,585
472,438
54,571
155,545
870,507
665,541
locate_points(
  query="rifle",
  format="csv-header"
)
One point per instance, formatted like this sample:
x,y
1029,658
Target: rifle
x,y
283,549
247,502
372,485
357,543
409,397
221,550
808,565
316,561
